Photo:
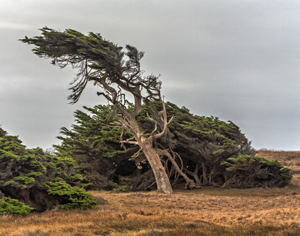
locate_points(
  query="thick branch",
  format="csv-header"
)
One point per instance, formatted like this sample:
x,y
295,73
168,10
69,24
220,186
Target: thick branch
x,y
155,123
190,183
164,119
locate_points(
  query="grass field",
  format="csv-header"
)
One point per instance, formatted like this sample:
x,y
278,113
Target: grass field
x,y
209,211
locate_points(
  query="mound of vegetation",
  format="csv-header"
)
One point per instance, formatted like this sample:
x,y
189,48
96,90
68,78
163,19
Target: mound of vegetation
x,y
95,145
207,150
39,180
246,171
13,207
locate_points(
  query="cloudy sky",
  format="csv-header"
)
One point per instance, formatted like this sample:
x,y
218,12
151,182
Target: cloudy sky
x,y
238,60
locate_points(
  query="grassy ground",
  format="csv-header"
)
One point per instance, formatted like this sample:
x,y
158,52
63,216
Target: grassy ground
x,y
209,211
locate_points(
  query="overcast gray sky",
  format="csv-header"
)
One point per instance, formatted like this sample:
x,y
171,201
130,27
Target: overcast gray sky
x,y
238,60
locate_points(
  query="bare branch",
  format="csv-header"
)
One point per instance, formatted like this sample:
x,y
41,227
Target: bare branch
x,y
164,119
189,183
155,123
130,142
121,139
149,186
137,153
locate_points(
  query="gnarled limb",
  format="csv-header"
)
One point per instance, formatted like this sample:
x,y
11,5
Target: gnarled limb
x,y
190,184
194,174
164,119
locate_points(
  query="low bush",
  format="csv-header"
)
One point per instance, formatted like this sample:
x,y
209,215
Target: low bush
x,y
13,206
40,180
247,171
73,197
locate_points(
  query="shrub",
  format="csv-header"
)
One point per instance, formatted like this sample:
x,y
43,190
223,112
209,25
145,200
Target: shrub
x,y
41,180
13,206
74,197
247,171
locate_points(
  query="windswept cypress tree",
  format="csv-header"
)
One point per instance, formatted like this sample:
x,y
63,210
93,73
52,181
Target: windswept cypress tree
x,y
117,73
204,147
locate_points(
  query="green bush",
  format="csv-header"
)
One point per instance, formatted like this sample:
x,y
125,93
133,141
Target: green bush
x,y
75,197
13,206
247,171
40,180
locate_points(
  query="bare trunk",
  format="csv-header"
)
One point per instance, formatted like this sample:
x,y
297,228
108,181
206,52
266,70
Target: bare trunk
x,y
211,175
195,175
146,143
205,181
161,177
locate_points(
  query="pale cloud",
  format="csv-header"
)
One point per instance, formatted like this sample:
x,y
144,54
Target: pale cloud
x,y
14,26
238,60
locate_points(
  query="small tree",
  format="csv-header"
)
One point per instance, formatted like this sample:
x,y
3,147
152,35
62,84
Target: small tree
x,y
117,73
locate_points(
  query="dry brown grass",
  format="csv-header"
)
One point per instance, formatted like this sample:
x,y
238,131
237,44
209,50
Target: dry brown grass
x,y
209,211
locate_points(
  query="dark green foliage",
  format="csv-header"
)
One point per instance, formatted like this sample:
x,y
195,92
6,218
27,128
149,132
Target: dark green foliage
x,y
116,72
198,144
74,197
87,52
93,135
94,143
247,171
203,143
13,206
25,172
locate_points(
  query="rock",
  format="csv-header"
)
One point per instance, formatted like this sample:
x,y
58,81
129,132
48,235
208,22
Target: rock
x,y
101,200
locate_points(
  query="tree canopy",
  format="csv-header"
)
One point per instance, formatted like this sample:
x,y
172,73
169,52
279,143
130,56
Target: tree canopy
x,y
210,151
99,61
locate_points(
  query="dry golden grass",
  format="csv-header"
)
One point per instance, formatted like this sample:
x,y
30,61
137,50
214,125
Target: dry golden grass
x,y
209,211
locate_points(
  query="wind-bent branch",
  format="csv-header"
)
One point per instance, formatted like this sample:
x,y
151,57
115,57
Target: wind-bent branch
x,y
115,71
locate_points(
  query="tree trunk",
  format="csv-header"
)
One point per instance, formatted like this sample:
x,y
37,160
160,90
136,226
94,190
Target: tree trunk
x,y
161,177
205,181
211,176
195,175
146,144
